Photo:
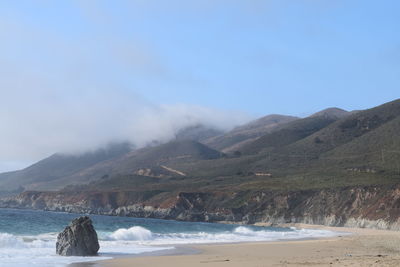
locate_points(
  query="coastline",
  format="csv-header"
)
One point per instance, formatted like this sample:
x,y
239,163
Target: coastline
x,y
364,247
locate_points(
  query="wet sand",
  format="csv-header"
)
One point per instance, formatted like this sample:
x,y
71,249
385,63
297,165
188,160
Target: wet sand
x,y
364,247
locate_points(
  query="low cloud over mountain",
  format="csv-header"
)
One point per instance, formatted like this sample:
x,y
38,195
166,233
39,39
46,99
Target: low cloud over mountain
x,y
46,121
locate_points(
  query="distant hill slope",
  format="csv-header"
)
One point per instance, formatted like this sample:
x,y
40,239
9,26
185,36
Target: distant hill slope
x,y
375,151
293,131
197,133
359,149
333,113
347,129
288,133
328,149
151,162
239,136
362,149
58,166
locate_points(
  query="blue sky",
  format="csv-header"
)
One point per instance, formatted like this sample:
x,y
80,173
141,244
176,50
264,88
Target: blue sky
x,y
250,57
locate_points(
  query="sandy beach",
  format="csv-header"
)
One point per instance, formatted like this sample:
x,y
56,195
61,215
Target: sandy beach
x,y
364,247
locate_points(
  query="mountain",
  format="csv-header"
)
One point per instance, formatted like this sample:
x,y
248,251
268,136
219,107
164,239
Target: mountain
x,y
293,131
197,133
359,149
315,152
349,128
58,166
333,113
288,133
244,134
147,162
294,151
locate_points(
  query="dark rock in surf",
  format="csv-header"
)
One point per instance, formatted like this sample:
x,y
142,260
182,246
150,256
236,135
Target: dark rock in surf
x,y
78,239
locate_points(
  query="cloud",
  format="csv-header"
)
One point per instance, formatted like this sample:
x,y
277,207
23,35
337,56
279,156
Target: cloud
x,y
71,92
39,119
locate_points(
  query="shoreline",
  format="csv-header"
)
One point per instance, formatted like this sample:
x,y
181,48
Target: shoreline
x,y
365,247
362,247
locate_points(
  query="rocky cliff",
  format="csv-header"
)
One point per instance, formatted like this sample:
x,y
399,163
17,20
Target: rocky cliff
x,y
371,206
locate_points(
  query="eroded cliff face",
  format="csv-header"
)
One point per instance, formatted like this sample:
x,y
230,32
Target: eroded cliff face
x,y
372,207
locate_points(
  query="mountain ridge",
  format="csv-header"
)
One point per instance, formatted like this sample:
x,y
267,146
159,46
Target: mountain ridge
x,y
246,133
59,165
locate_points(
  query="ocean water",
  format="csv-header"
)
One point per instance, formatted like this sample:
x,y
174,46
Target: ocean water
x,y
28,238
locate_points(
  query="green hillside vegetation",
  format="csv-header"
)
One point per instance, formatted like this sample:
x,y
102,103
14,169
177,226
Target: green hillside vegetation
x,y
197,133
149,161
345,130
348,151
287,134
355,162
333,113
58,166
322,151
244,134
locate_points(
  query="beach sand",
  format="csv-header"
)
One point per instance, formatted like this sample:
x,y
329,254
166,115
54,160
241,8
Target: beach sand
x,y
365,247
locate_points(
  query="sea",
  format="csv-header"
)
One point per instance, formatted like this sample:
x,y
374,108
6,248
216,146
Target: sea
x,y
28,238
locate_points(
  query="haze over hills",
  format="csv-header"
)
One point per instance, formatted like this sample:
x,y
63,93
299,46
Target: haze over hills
x,y
282,140
244,134
58,171
57,166
286,151
315,153
149,162
197,133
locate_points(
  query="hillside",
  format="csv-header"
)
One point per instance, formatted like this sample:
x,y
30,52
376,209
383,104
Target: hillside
x,y
333,113
287,134
297,155
150,162
197,133
57,166
348,129
350,151
244,134
344,152
322,150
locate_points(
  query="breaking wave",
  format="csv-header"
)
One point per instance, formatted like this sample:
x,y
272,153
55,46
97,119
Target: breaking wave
x,y
142,235
24,251
135,233
10,241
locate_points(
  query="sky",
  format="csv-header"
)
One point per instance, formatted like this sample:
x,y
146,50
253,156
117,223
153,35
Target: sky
x,y
76,75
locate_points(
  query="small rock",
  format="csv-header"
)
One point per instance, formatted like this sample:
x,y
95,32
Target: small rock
x,y
78,239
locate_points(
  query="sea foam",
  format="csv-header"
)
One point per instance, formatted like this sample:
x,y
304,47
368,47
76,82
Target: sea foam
x,y
135,233
10,241
143,236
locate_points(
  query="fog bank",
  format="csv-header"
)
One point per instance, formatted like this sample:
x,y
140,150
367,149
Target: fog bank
x,y
39,122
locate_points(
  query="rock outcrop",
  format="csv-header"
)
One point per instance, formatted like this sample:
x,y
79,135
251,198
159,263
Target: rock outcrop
x,y
78,239
355,206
